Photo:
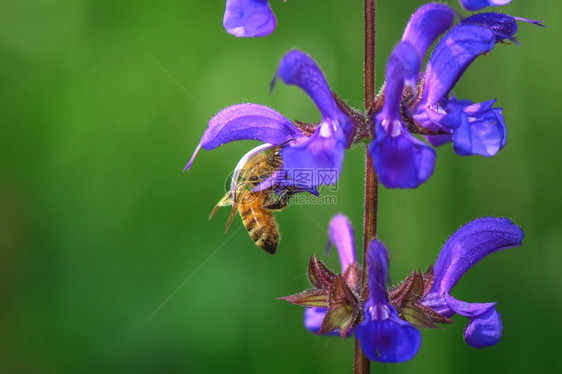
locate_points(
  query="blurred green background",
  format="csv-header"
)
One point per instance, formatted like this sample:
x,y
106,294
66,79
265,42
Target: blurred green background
x,y
107,259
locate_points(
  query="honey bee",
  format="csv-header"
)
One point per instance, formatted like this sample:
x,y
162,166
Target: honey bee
x,y
255,207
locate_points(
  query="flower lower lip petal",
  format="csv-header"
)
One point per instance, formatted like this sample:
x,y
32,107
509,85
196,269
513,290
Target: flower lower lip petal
x,y
248,18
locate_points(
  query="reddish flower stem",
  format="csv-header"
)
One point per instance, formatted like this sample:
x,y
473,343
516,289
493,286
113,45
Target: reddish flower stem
x,y
361,362
369,65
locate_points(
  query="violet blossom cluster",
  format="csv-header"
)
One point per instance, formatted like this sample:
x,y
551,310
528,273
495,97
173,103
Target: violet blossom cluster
x,y
254,18
413,101
392,316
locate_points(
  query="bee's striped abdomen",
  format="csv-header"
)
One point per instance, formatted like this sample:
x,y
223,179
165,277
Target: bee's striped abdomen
x,y
259,222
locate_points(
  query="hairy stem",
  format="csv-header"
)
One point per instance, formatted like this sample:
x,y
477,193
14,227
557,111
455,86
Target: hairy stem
x,y
369,65
362,363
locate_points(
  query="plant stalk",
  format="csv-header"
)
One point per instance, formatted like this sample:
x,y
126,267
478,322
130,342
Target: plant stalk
x,y
361,362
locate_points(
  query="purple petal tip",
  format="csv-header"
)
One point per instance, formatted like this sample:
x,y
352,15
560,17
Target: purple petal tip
x,y
188,166
534,22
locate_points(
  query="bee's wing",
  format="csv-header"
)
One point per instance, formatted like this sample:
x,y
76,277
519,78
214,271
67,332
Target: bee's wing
x,y
225,201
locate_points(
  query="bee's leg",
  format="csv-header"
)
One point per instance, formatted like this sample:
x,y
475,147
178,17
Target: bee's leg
x,y
225,201
278,202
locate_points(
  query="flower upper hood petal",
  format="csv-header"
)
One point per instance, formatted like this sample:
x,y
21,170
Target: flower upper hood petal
x,y
501,24
470,244
341,235
377,262
426,24
248,121
299,69
451,57
403,68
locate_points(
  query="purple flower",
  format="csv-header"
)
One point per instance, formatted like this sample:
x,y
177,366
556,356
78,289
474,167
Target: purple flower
x,y
474,128
248,18
464,249
321,146
401,160
389,331
473,5
341,235
384,336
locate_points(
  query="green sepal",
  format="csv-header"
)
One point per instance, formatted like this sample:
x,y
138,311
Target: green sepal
x,y
340,312
319,275
344,308
309,298
409,291
422,316
406,296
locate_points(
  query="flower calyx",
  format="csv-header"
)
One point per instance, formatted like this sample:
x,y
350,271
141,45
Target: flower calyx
x,y
406,297
337,293
361,127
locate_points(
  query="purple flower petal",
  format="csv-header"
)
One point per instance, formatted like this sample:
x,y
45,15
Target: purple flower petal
x,y
477,129
190,162
503,25
499,115
401,161
483,132
341,235
248,121
469,310
470,244
325,150
479,4
485,327
483,136
248,18
313,318
452,56
390,339
477,109
384,337
466,247
534,22
377,262
438,140
299,69
402,68
326,147
485,330
426,24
